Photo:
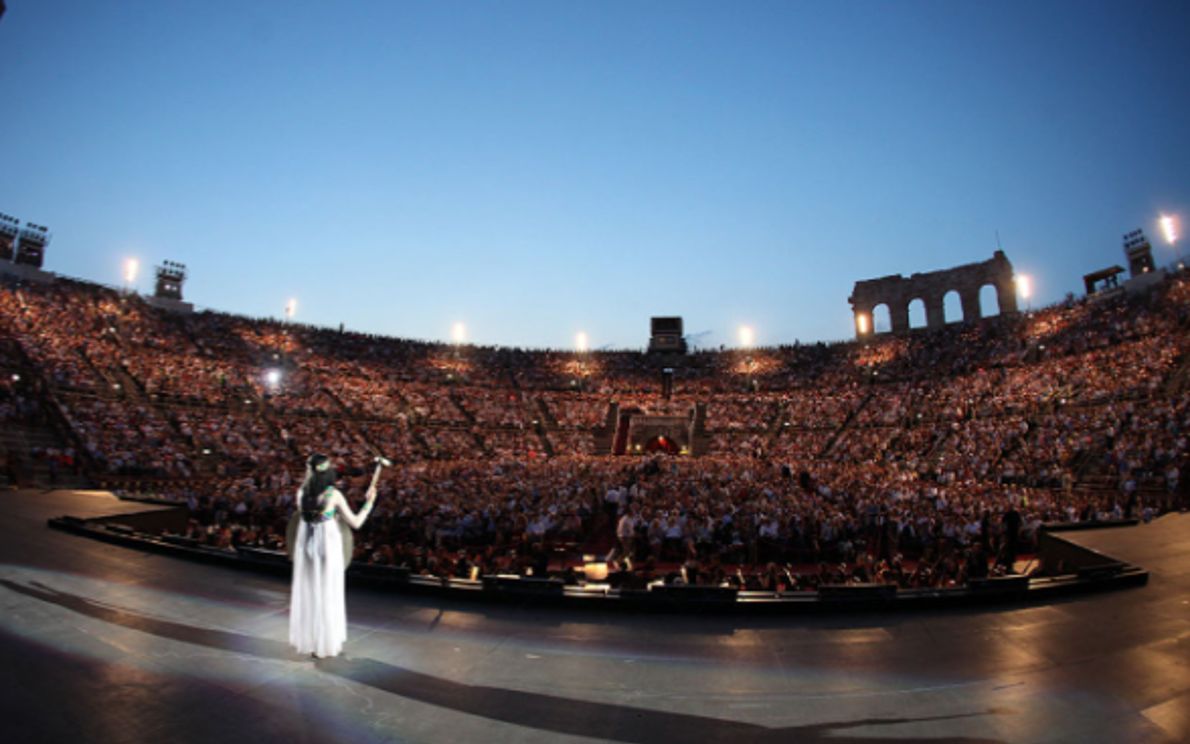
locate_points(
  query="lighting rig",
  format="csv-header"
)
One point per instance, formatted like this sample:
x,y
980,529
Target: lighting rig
x,y
170,275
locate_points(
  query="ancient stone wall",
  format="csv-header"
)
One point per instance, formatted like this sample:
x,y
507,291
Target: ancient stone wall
x,y
931,287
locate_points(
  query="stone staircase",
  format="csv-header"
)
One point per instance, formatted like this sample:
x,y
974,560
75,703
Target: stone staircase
x,y
462,409
699,441
546,415
27,443
131,386
1178,382
776,426
838,433
472,426
546,445
620,437
544,423
604,434
101,374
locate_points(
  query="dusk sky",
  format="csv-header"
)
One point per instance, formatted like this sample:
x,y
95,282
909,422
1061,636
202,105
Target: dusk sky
x,y
535,169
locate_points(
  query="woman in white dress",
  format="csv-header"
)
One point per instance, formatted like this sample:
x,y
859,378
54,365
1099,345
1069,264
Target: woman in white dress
x,y
317,607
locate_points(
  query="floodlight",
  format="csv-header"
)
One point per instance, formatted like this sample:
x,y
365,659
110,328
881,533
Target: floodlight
x,y
1169,228
747,336
1024,286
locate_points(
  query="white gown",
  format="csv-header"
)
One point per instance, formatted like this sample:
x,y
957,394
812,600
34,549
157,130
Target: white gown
x,y
317,607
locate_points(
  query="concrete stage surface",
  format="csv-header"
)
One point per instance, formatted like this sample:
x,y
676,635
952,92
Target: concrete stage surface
x,y
100,643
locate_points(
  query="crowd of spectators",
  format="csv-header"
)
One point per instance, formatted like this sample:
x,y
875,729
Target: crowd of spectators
x,y
17,404
576,410
924,460
127,439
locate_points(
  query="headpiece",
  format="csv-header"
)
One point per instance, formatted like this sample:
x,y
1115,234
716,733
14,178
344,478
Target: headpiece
x,y
320,476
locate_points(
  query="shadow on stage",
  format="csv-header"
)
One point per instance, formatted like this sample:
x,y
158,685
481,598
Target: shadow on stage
x,y
529,709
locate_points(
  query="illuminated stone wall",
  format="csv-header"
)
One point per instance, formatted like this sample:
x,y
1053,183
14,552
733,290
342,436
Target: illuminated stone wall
x,y
931,288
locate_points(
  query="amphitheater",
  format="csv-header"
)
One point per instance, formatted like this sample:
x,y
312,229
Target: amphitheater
x,y
789,543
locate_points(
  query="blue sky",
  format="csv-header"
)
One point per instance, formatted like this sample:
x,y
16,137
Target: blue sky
x,y
534,169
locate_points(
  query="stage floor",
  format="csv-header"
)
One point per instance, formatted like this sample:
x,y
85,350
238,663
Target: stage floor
x,y
106,644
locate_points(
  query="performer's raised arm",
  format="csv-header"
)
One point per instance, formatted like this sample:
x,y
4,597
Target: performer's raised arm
x,y
354,519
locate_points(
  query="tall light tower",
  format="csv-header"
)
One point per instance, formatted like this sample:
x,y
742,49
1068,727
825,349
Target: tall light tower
x,y
170,276
10,228
1139,252
31,248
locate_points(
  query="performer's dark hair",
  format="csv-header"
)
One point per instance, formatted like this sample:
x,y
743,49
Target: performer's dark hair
x,y
317,481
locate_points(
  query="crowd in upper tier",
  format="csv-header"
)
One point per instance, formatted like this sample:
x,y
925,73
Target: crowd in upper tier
x,y
923,459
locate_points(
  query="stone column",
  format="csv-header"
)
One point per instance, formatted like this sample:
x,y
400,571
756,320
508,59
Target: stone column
x,y
898,311
1006,294
969,296
935,311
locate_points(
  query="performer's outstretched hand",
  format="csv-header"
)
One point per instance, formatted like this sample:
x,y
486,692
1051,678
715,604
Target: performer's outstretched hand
x,y
381,463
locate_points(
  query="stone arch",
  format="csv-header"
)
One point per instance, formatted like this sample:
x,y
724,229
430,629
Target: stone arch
x,y
881,318
989,300
931,288
918,315
872,319
952,306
